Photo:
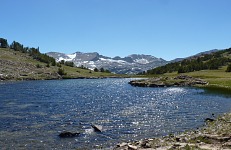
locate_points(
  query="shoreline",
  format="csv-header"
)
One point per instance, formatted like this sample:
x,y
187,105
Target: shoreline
x,y
61,78
216,134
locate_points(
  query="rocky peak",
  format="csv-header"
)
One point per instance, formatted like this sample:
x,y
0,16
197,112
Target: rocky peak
x,y
86,56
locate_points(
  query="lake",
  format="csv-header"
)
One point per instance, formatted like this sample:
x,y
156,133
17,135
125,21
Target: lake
x,y
34,113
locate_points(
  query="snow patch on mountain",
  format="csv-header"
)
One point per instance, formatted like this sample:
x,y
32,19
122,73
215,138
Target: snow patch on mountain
x,y
72,56
142,61
111,60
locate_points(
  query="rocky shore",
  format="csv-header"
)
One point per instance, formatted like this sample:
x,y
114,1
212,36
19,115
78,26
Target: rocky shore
x,y
215,135
181,80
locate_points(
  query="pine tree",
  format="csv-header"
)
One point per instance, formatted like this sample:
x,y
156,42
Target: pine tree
x,y
102,70
3,43
96,70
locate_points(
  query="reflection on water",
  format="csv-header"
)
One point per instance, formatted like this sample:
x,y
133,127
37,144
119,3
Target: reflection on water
x,y
225,92
33,113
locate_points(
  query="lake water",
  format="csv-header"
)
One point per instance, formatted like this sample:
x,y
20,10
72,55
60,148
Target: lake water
x,y
33,113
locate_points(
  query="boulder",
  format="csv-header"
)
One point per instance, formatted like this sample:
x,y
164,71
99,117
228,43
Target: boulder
x,y
97,128
132,147
122,144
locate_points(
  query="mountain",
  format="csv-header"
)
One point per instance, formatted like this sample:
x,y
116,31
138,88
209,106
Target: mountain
x,y
128,65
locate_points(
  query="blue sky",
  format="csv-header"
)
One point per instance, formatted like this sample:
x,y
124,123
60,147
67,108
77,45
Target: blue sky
x,y
163,28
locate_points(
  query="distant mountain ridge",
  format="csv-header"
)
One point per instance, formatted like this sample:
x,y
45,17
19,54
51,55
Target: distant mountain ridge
x,y
131,64
193,56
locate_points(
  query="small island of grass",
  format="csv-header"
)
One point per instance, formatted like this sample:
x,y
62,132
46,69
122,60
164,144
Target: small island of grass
x,y
181,80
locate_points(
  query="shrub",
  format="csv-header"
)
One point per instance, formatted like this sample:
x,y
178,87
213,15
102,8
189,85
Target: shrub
x,y
61,71
38,66
228,68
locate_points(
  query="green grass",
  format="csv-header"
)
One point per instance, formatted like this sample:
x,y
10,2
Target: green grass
x,y
216,78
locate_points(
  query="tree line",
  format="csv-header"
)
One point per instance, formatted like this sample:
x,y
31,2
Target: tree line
x,y
34,52
101,70
211,61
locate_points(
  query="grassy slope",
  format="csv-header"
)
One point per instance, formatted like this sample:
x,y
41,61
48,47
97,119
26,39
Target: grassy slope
x,y
15,65
216,78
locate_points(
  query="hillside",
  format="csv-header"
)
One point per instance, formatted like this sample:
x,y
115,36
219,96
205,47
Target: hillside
x,y
20,66
15,65
204,61
215,68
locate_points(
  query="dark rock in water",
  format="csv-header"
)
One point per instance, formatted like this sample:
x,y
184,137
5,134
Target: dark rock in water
x,y
68,134
97,128
209,120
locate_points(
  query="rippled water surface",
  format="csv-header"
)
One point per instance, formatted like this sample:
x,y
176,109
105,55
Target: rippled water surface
x,y
33,113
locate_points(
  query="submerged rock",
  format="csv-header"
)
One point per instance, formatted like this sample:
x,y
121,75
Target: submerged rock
x,y
68,134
